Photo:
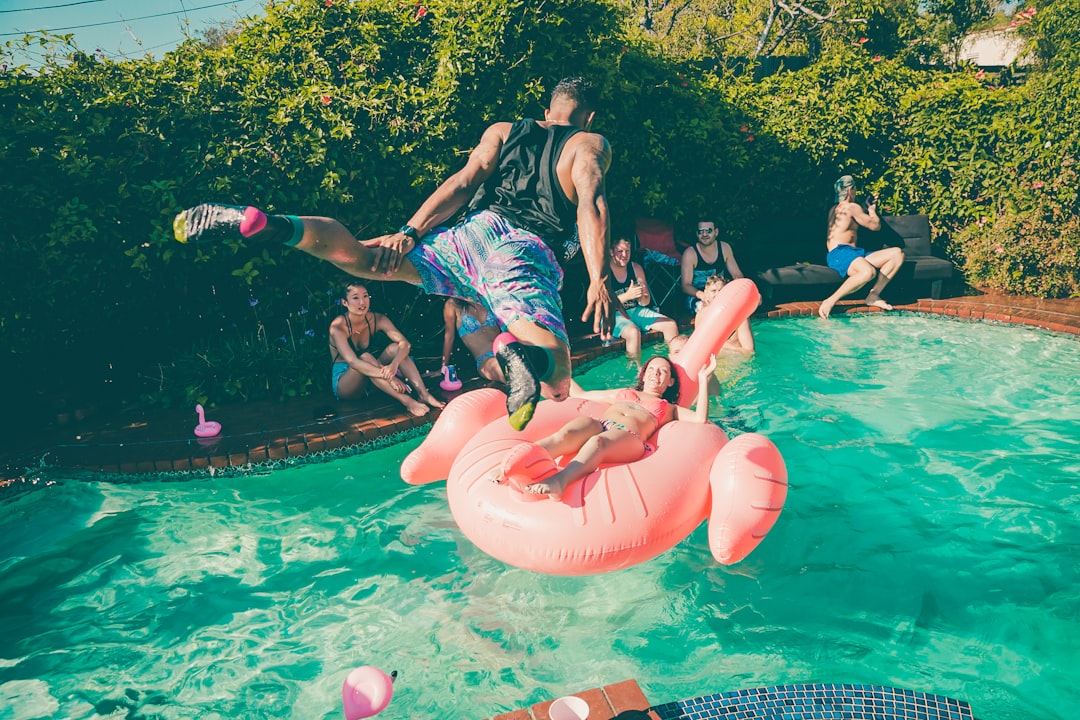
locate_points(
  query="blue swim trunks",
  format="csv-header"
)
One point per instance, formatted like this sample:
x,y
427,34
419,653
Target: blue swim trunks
x,y
841,257
485,259
643,317
339,369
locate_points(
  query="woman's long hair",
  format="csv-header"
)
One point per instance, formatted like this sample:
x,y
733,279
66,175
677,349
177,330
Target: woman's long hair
x,y
672,393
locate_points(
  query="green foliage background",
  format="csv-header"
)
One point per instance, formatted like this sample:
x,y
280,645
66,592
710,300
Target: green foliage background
x,y
356,110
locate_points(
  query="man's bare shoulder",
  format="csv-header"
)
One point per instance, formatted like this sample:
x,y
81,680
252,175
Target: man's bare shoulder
x,y
590,140
498,130
588,150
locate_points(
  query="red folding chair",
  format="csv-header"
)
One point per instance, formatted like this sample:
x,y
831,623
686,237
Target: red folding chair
x,y
661,257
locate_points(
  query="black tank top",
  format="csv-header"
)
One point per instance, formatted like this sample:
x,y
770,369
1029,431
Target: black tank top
x,y
525,188
717,266
620,287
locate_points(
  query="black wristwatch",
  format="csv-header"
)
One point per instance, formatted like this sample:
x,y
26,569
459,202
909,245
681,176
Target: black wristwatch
x,y
410,232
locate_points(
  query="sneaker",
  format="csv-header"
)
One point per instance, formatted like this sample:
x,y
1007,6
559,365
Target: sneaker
x,y
211,223
521,380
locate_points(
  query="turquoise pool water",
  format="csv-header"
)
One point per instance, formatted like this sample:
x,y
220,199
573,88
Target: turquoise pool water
x,y
930,541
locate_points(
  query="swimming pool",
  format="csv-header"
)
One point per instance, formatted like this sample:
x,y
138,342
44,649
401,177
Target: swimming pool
x,y
929,542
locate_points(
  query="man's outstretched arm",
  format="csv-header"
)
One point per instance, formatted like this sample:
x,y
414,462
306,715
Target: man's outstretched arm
x,y
447,199
591,162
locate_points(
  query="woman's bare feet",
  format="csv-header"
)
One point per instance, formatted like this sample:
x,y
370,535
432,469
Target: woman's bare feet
x,y
414,407
431,400
552,487
878,303
528,462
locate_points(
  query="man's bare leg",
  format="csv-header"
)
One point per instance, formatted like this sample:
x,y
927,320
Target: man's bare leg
x,y
321,237
857,277
631,335
887,261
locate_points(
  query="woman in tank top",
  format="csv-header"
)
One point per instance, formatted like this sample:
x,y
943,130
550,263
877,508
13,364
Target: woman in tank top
x,y
357,362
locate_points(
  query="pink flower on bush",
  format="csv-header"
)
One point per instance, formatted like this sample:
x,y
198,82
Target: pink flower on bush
x,y
744,129
421,12
860,41
328,3
999,250
877,58
980,75
325,99
749,138
1037,184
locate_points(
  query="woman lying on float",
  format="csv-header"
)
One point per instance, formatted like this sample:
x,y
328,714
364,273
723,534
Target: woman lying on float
x,y
617,436
630,508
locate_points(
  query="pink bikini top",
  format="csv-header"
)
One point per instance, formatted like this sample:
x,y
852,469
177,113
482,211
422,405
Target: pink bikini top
x,y
657,407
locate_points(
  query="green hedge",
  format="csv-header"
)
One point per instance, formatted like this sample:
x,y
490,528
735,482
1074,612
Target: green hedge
x,y
356,110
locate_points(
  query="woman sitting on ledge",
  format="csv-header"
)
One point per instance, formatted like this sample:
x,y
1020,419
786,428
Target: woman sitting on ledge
x,y
357,359
617,436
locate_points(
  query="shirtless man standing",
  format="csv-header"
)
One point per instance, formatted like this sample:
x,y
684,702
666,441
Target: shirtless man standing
x,y
853,263
524,188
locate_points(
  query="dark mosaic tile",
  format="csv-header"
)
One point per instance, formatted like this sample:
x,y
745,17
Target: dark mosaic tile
x,y
818,701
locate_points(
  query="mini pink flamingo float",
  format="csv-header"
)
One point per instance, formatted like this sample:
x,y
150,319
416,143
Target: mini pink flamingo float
x,y
206,429
450,381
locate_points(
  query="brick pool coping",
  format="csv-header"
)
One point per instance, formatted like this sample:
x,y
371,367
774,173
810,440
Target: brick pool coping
x,y
313,429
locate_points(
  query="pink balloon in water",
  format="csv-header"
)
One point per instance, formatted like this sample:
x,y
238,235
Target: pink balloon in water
x,y
366,692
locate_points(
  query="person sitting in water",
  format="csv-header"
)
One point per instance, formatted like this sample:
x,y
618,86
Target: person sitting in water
x,y
742,339
617,436
357,360
478,329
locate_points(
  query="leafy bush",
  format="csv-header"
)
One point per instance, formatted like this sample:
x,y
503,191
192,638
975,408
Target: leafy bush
x,y
1032,252
356,110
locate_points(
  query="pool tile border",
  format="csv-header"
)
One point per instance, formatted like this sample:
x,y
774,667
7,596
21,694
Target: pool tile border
x,y
806,701
352,434
818,701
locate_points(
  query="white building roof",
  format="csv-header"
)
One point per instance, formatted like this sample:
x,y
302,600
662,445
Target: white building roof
x,y
998,47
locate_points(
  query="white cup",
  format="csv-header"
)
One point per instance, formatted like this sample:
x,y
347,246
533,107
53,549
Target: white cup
x,y
569,708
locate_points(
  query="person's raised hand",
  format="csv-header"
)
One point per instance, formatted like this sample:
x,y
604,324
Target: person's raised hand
x,y
389,251
707,369
601,305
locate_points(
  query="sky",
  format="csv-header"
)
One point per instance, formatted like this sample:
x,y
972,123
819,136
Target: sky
x,y
121,28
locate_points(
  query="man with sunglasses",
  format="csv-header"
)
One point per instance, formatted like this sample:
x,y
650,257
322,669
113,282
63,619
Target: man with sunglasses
x,y
707,257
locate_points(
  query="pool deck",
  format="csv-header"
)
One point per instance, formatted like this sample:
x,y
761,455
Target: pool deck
x,y
142,441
